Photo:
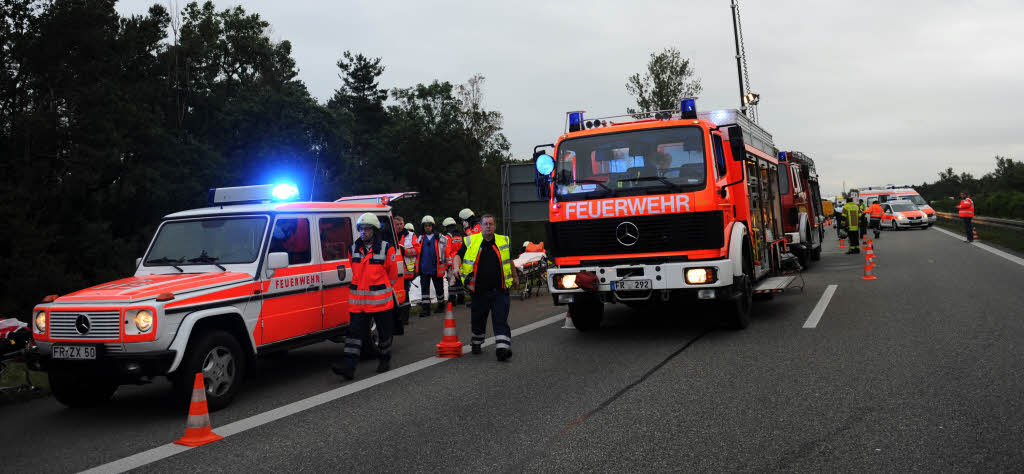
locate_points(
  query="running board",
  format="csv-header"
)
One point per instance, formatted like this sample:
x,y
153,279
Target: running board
x,y
774,284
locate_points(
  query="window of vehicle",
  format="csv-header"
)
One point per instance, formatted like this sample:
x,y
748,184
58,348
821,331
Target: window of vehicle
x,y
915,198
387,230
291,235
784,183
335,238
222,240
794,172
716,141
637,162
902,206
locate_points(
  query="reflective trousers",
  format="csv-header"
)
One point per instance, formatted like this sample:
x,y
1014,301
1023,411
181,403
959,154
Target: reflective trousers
x,y
495,302
359,334
854,236
425,281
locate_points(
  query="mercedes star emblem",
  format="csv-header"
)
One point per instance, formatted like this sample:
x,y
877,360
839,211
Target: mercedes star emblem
x,y
82,324
627,234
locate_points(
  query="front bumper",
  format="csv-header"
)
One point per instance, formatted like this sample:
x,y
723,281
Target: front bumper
x,y
662,277
127,366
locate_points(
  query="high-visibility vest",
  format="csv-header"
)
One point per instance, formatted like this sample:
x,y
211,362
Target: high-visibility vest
x,y
373,277
440,243
409,255
499,244
966,208
852,213
876,211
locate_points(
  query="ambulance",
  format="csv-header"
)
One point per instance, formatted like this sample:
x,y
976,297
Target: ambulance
x,y
254,273
675,206
883,194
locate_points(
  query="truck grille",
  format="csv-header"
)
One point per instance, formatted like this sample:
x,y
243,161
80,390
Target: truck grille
x,y
102,325
661,233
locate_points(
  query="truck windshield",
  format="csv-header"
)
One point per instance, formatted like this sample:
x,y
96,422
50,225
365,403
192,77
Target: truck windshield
x,y
637,162
221,240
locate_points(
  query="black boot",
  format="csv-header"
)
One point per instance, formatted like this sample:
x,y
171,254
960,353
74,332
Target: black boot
x,y
344,369
424,310
503,354
383,365
441,307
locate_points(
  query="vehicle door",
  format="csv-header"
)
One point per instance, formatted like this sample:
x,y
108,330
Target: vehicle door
x,y
388,235
336,238
292,295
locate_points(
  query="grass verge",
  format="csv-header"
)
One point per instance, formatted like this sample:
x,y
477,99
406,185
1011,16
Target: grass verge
x,y
14,387
1001,236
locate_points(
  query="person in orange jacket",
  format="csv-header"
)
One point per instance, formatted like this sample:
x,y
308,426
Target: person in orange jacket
x,y
966,212
374,274
431,263
469,222
455,242
875,212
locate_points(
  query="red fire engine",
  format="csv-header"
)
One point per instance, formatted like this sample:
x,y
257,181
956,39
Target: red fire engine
x,y
677,205
802,215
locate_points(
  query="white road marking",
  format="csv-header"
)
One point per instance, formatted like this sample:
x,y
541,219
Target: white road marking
x,y
819,309
1012,258
141,459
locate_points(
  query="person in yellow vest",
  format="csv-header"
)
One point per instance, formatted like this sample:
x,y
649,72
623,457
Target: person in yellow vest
x,y
485,266
852,215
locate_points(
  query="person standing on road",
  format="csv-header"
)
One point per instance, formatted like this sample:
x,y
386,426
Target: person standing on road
x,y
408,246
486,269
852,215
875,212
966,212
430,253
469,222
863,226
455,243
374,274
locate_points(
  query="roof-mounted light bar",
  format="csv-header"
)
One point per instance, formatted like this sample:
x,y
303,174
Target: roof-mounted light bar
x,y
252,194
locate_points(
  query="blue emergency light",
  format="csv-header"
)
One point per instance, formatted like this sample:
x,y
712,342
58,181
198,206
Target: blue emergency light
x,y
252,194
285,191
782,156
575,121
688,108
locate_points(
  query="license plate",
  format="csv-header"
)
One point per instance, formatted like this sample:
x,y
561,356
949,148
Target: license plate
x,y
631,285
74,352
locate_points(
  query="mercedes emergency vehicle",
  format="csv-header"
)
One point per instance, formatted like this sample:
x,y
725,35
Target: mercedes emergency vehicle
x,y
677,206
253,274
902,214
803,217
887,193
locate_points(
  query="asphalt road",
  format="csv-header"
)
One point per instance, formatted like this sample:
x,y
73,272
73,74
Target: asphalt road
x,y
920,370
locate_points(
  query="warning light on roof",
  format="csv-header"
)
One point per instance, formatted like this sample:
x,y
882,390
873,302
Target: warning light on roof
x,y
285,191
575,121
688,108
782,156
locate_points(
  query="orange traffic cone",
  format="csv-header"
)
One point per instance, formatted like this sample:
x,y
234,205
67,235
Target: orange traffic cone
x,y
867,272
975,232
197,428
842,244
450,346
869,254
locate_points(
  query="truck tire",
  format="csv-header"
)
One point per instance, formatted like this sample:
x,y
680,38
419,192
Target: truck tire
x,y
587,315
219,356
736,309
79,391
804,257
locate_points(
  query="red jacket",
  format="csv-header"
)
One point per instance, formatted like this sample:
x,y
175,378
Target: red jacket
x,y
454,244
966,208
440,244
373,277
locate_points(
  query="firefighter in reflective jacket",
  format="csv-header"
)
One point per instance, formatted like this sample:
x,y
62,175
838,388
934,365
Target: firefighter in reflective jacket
x,y
875,212
486,268
469,222
965,210
851,213
432,262
370,296
456,292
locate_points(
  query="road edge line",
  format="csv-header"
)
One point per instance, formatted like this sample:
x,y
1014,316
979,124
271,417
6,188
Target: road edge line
x,y
819,309
1008,256
158,453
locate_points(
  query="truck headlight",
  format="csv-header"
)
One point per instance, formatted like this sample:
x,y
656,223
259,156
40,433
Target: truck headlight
x,y
143,320
698,276
40,321
568,282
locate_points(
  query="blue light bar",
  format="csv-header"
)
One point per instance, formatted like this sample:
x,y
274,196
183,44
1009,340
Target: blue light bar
x,y
575,121
285,191
688,108
782,156
252,194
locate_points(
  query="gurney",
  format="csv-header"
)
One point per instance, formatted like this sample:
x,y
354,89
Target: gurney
x,y
533,271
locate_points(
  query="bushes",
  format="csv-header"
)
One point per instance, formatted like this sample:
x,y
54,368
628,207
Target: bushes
x,y
1004,204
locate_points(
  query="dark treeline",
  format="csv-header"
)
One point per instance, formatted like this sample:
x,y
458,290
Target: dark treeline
x,y
999,193
107,123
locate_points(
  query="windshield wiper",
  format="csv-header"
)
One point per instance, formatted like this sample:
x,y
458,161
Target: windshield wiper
x,y
203,258
675,186
167,261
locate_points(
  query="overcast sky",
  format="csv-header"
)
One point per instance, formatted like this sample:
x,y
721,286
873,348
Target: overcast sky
x,y
877,92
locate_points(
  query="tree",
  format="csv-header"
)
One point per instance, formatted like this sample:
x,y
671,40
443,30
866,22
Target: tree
x,y
668,78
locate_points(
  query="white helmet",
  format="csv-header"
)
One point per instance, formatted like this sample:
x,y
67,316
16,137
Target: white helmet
x,y
368,219
465,214
448,221
411,227
525,243
427,220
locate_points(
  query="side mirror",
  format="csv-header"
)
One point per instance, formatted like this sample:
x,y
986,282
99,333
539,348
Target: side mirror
x,y
276,260
138,262
736,145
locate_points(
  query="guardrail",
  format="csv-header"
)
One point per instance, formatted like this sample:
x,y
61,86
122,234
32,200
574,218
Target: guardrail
x,y
1008,223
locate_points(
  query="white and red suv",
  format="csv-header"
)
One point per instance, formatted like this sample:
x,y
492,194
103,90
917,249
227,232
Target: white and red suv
x,y
217,287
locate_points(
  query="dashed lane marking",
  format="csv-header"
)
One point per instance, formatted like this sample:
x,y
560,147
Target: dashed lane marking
x,y
161,452
819,309
1012,258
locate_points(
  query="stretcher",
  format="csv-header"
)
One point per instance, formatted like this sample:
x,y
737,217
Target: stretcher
x,y
533,272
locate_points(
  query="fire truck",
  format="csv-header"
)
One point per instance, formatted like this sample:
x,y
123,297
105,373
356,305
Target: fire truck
x,y
254,274
675,205
802,214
